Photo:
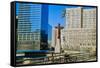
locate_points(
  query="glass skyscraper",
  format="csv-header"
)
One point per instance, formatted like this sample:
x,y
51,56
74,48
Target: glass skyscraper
x,y
32,28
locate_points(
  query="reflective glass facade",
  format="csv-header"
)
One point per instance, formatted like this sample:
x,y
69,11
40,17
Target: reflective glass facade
x,y
32,29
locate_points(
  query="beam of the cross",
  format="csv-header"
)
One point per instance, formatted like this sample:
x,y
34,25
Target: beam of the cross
x,y
59,30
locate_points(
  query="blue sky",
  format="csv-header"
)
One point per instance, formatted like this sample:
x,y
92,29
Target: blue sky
x,y
55,13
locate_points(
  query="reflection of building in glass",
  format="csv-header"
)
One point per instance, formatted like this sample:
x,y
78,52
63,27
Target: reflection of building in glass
x,y
32,29
80,34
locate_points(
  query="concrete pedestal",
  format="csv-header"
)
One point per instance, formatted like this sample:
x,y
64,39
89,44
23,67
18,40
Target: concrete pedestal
x,y
57,46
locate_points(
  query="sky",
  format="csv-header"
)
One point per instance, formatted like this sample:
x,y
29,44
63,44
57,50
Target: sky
x,y
55,15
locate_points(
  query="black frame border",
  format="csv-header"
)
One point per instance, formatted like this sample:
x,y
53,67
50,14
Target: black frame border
x,y
13,26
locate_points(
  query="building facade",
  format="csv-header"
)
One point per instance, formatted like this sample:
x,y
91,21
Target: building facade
x,y
80,31
32,29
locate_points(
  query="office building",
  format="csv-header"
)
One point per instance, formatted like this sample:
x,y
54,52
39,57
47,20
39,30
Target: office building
x,y
79,33
32,29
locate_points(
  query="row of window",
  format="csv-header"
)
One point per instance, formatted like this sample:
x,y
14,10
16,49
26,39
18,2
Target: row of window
x,y
29,38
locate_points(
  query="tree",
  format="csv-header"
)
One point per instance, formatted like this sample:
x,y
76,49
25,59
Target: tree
x,y
63,13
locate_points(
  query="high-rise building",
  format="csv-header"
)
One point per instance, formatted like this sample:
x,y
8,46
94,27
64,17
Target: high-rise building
x,y
32,29
80,32
89,18
74,16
